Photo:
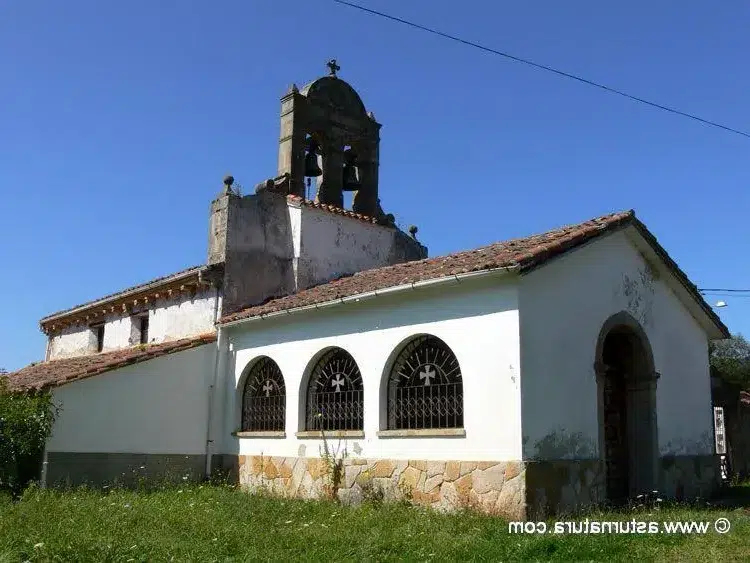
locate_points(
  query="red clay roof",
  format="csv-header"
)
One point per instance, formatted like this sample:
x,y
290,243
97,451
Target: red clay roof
x,y
59,372
330,208
521,255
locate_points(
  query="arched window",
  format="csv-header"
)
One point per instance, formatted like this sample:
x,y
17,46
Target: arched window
x,y
335,399
263,398
425,389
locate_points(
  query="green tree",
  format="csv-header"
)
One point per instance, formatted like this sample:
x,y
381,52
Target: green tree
x,y
26,420
730,360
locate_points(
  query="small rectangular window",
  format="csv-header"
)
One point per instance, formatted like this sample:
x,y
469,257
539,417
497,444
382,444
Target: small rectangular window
x,y
144,330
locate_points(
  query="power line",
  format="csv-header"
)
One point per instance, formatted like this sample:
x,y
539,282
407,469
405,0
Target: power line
x,y
707,290
543,67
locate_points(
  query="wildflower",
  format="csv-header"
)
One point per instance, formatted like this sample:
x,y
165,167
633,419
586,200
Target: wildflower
x,y
288,522
38,545
127,505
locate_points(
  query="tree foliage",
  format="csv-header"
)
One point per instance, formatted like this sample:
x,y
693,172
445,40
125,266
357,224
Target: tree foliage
x,y
26,420
730,360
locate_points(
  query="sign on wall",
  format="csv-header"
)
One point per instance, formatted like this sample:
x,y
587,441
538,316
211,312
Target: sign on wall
x,y
719,432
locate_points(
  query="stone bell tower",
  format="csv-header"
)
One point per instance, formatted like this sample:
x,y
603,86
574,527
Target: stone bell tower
x,y
327,134
276,242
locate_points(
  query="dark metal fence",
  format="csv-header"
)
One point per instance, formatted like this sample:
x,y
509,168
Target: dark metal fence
x,y
263,413
426,406
335,411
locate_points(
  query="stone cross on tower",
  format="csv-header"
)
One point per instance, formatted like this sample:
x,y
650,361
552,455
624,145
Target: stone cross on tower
x,y
333,67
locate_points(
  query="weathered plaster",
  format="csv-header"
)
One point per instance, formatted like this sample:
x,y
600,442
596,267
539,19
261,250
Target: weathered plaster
x,y
169,319
272,246
558,350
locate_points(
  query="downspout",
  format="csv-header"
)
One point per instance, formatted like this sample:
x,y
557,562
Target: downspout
x,y
218,355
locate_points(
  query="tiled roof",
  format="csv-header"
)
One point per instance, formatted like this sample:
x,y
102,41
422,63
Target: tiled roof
x,y
330,208
518,254
54,373
521,255
181,273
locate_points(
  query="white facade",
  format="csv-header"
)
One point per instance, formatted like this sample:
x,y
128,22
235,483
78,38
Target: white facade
x,y
327,246
169,319
477,319
154,407
526,347
563,307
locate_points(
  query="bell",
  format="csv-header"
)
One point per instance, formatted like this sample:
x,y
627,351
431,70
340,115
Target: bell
x,y
311,165
351,173
311,159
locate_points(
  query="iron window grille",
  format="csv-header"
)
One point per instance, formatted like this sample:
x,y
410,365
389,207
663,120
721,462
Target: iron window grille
x,y
335,398
264,398
425,387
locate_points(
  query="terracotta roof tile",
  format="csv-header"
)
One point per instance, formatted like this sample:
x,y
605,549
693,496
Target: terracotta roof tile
x,y
58,372
330,209
521,255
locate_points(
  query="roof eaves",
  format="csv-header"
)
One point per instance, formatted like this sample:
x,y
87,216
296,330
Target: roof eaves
x,y
682,277
144,287
239,318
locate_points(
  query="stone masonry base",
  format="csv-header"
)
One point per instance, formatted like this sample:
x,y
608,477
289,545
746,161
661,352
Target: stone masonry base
x,y
490,486
513,489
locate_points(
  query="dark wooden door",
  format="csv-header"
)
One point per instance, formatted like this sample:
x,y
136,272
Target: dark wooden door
x,y
615,437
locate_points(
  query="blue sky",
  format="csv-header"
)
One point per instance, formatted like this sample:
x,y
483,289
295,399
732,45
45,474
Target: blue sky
x,y
118,121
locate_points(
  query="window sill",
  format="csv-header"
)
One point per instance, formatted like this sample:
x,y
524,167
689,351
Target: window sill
x,y
260,434
331,434
423,433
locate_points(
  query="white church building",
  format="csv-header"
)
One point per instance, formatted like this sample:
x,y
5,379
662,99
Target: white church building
x,y
526,377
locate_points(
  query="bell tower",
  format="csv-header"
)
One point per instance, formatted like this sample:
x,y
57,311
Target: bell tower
x,y
276,242
327,134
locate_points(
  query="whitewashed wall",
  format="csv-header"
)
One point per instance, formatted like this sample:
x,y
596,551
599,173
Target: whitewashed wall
x,y
169,319
477,319
71,341
563,307
159,406
328,245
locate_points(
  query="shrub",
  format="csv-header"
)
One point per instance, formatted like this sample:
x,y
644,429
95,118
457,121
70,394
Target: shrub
x,y
26,420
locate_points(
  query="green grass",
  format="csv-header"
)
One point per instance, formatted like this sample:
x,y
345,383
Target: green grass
x,y
219,523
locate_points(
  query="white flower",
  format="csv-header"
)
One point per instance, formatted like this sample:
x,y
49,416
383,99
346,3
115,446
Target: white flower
x,y
38,545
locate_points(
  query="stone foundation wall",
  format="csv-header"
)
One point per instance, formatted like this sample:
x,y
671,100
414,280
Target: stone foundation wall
x,y
513,489
490,486
685,477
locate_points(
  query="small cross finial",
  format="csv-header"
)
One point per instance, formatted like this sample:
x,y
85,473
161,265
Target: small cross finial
x,y
333,67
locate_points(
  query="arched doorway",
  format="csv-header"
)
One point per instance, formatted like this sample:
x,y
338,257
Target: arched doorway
x,y
626,383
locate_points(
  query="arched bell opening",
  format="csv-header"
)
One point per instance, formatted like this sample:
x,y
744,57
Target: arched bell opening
x,y
351,179
313,163
626,385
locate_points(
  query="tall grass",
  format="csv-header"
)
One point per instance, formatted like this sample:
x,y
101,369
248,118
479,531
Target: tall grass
x,y
219,523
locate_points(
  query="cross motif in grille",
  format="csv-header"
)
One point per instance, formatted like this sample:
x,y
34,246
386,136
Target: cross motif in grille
x,y
338,383
427,375
268,387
